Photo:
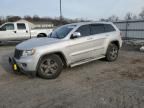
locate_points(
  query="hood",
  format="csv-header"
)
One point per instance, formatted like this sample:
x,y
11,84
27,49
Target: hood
x,y
36,42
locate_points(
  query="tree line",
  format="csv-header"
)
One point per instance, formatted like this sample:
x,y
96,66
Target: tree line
x,y
36,18
129,16
57,21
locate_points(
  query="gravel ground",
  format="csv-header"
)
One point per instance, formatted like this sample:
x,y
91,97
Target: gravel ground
x,y
98,84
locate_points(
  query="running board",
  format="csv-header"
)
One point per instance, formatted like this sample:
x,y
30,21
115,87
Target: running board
x,y
85,61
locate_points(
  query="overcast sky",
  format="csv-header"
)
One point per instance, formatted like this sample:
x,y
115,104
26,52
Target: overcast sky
x,y
89,9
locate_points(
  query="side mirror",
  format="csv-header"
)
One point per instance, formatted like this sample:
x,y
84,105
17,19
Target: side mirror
x,y
76,35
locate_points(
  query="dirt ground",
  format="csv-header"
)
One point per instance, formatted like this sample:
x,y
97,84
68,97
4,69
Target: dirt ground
x,y
98,84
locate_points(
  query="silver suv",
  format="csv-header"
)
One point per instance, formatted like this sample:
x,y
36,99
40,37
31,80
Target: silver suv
x,y
68,45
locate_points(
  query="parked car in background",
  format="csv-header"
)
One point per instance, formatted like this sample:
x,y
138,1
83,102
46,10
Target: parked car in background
x,y
19,31
68,45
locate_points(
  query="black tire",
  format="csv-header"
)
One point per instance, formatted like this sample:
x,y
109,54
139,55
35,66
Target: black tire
x,y
50,67
112,53
41,35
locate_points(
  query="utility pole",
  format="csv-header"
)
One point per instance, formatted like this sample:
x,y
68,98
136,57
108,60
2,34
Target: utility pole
x,y
61,11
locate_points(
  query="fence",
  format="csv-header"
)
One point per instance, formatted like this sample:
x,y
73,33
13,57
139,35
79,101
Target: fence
x,y
131,29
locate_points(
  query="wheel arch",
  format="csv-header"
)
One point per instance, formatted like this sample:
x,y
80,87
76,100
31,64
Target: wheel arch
x,y
116,42
44,34
60,54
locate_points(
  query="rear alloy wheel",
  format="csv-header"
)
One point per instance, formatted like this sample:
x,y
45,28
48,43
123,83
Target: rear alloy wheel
x,y
50,67
112,52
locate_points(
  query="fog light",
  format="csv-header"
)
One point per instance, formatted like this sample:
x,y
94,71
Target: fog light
x,y
24,64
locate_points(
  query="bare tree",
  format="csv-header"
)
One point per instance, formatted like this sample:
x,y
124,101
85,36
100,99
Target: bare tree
x,y
135,17
28,18
113,18
0,20
103,19
129,16
36,18
13,18
142,14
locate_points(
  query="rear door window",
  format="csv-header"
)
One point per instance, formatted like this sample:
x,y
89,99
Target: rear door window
x,y
97,29
21,26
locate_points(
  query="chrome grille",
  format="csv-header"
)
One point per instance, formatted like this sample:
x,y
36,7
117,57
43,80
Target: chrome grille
x,y
18,53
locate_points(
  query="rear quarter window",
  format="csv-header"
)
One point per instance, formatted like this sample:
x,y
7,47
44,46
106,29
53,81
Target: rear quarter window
x,y
109,28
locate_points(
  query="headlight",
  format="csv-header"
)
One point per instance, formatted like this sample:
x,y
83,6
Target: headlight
x,y
28,53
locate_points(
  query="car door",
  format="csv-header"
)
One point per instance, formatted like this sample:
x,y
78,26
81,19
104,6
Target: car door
x,y
8,32
22,31
98,36
81,48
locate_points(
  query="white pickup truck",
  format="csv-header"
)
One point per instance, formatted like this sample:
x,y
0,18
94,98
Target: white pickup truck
x,y
19,31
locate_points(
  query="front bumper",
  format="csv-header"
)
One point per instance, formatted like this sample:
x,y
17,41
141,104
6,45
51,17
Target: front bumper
x,y
18,66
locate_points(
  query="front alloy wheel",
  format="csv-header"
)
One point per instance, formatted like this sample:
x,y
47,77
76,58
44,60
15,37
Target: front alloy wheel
x,y
50,67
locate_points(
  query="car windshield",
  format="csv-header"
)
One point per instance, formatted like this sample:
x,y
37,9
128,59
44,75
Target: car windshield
x,y
62,32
